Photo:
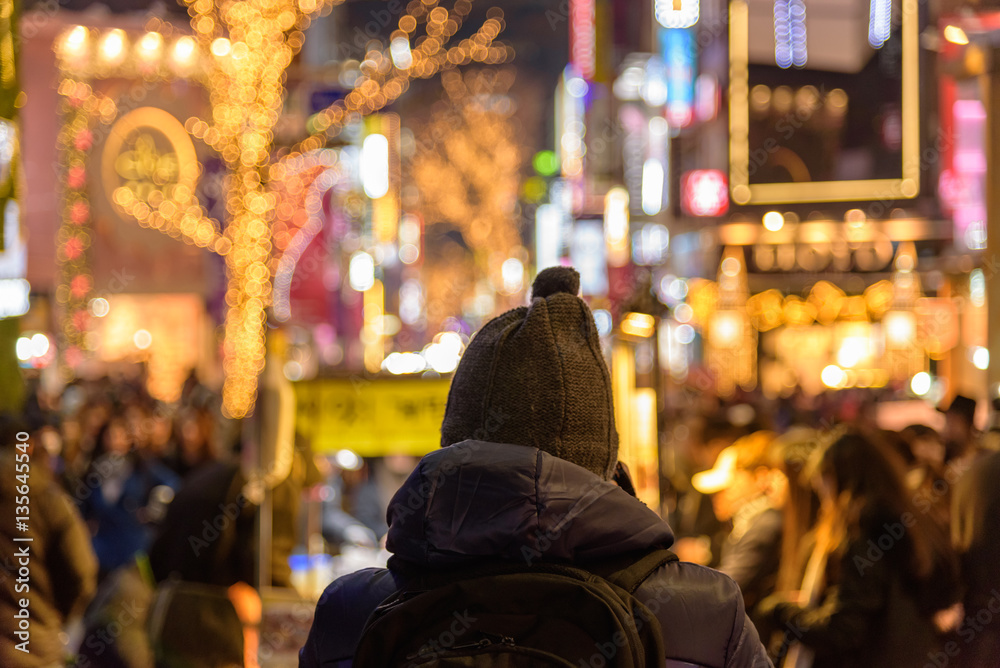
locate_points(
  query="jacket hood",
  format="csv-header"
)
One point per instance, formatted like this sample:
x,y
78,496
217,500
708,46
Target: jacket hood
x,y
477,499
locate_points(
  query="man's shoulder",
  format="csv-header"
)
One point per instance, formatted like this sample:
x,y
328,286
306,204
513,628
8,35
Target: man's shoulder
x,y
713,588
341,613
355,589
700,611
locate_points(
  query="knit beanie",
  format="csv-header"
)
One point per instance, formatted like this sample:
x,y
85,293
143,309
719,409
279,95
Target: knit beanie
x,y
535,376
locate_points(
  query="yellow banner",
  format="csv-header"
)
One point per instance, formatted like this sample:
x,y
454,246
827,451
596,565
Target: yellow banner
x,y
373,418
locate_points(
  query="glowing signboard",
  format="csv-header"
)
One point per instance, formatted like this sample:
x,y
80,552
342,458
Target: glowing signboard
x,y
150,154
704,193
676,13
678,49
582,37
900,180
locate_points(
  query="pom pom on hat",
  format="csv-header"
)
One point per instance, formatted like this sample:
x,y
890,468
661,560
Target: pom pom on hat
x,y
555,280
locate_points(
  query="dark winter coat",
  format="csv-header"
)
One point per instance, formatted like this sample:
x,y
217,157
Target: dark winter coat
x,y
873,615
753,559
976,530
60,571
120,531
476,500
208,533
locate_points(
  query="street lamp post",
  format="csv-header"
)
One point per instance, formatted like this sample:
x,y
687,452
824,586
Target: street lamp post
x,y
992,264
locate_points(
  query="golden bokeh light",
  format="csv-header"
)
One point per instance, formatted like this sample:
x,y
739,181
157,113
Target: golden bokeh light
x,y
252,44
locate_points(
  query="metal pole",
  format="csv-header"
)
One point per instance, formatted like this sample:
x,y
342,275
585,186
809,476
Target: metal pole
x,y
264,544
991,263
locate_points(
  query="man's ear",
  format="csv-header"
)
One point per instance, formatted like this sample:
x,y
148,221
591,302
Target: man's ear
x,y
623,479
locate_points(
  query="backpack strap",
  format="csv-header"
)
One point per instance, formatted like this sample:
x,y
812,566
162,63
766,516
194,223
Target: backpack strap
x,y
635,573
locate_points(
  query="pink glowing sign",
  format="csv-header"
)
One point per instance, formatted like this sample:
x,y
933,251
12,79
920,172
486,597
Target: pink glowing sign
x,y
963,186
582,37
704,192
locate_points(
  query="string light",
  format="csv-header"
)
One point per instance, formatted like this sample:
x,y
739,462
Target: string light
x,y
75,43
402,58
879,22
251,45
790,33
468,173
311,178
676,14
82,109
113,46
773,221
150,43
381,82
184,51
221,47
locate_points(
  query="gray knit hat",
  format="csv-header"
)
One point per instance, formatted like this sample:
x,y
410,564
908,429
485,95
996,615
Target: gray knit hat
x,y
535,376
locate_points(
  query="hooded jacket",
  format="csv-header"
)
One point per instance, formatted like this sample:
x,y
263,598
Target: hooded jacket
x,y
476,500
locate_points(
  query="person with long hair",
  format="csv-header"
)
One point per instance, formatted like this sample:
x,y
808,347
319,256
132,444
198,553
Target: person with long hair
x,y
194,436
928,476
117,497
801,504
879,571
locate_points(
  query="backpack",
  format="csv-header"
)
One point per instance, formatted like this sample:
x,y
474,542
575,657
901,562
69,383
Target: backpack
x,y
512,615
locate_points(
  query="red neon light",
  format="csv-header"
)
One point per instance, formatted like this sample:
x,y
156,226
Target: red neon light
x,y
582,38
704,192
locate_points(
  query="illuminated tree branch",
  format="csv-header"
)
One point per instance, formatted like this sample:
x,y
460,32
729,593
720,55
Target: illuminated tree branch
x,y
467,166
172,217
385,74
246,47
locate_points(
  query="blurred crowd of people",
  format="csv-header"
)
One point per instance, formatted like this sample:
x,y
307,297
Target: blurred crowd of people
x,y
852,545
128,493
106,461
